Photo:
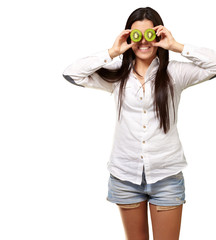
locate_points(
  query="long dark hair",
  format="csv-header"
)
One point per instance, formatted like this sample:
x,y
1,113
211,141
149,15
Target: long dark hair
x,y
163,83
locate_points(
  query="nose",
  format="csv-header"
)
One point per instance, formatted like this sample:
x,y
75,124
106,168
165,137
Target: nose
x,y
143,41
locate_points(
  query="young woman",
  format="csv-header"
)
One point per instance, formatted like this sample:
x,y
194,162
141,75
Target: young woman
x,y
147,157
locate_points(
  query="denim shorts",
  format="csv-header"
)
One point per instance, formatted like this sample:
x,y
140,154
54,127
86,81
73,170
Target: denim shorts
x,y
169,191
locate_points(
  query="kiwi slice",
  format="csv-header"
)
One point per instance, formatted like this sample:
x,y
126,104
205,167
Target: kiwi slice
x,y
136,35
149,35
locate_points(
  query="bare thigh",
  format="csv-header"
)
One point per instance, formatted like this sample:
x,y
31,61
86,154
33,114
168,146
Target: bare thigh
x,y
166,223
135,221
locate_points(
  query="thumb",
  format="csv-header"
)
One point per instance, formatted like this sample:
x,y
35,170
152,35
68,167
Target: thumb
x,y
156,44
130,45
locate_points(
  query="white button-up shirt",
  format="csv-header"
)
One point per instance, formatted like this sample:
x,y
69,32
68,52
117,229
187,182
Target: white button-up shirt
x,y
138,142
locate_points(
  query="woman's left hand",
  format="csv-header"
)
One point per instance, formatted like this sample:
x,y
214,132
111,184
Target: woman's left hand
x,y
167,41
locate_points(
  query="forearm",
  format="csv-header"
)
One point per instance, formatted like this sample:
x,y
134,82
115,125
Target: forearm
x,y
112,53
86,66
203,57
177,47
201,68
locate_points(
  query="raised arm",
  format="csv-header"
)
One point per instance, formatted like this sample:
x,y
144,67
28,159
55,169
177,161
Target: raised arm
x,y
82,72
201,68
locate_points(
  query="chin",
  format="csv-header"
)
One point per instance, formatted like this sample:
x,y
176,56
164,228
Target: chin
x,y
146,56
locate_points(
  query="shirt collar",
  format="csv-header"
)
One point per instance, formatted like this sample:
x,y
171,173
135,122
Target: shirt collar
x,y
155,61
154,65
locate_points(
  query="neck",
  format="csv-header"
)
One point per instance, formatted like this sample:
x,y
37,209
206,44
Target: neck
x,y
141,66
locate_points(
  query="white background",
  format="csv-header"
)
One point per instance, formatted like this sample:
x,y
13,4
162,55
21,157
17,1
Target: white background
x,y
54,140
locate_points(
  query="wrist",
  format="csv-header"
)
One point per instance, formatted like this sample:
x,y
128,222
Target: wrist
x,y
177,47
112,53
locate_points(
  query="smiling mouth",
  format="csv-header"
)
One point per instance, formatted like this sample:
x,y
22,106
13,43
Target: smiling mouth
x,y
144,48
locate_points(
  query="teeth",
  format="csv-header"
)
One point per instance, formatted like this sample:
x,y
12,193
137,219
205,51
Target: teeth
x,y
144,48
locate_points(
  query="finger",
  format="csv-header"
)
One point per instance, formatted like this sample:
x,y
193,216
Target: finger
x,y
131,44
124,34
156,44
157,27
126,31
161,32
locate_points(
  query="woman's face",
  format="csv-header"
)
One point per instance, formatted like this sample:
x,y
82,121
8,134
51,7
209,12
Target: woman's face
x,y
143,49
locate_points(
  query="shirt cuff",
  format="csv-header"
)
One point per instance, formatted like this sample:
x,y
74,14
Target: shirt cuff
x,y
187,50
104,56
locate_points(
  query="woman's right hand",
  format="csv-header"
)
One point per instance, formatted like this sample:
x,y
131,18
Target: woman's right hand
x,y
120,45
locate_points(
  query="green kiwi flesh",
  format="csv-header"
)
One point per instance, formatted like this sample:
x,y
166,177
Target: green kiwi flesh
x,y
149,35
136,35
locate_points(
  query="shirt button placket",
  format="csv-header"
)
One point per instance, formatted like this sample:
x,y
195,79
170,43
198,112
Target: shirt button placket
x,y
144,130
144,125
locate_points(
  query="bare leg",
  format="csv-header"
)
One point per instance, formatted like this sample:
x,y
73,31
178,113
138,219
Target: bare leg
x,y
135,220
166,222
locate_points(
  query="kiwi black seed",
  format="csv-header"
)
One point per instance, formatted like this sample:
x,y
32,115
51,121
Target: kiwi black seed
x,y
136,35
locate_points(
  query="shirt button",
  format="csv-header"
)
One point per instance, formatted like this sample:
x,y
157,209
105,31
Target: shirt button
x,y
188,53
143,141
144,126
140,98
144,111
105,61
142,157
